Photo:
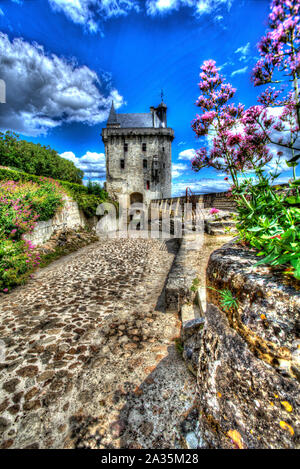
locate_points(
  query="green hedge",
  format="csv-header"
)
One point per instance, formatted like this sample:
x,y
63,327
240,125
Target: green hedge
x,y
86,200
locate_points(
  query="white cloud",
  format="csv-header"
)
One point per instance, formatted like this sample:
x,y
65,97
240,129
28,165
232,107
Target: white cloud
x,y
43,91
244,52
1,12
275,136
89,12
202,186
69,155
210,185
277,167
239,71
178,169
155,7
92,163
187,154
200,7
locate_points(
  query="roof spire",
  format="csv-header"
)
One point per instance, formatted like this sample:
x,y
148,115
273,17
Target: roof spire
x,y
112,118
162,95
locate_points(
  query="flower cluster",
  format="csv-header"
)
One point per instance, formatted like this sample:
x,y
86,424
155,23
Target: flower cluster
x,y
15,211
233,148
213,211
279,48
280,62
22,204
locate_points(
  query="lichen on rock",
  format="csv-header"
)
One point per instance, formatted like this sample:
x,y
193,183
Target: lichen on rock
x,y
248,377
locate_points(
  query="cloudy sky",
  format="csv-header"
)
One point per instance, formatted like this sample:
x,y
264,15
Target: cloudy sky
x,y
64,61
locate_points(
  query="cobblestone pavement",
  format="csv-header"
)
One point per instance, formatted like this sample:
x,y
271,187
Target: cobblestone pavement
x,y
90,358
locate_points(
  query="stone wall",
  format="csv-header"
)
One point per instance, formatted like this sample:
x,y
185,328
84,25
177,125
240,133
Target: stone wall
x,y
183,271
69,216
219,200
248,369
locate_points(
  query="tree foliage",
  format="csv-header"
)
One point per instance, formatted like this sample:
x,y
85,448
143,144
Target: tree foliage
x,y
36,159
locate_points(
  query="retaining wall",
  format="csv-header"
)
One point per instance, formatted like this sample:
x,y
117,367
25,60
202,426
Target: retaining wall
x,y
69,216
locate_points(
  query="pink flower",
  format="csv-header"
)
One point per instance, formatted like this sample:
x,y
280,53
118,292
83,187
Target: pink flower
x,y
213,210
5,290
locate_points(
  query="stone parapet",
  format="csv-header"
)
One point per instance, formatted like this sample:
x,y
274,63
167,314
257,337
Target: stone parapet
x,y
184,271
219,200
143,131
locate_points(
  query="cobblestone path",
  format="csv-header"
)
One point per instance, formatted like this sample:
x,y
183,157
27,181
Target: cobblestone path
x,y
89,357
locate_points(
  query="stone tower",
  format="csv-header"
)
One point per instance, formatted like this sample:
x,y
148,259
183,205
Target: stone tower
x,y
138,155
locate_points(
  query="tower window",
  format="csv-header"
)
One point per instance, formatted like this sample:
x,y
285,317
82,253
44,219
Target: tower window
x,y
144,147
125,147
148,185
145,164
163,149
122,164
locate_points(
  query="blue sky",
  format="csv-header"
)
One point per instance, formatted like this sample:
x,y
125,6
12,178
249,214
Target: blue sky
x,y
63,62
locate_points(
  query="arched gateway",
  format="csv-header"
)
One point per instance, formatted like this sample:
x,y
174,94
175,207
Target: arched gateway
x,y
136,197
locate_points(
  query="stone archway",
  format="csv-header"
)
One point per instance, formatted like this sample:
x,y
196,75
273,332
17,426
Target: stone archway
x,y
136,213
136,197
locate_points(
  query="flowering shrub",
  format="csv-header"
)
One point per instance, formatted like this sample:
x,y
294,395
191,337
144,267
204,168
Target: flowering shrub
x,y
21,206
232,151
279,64
268,220
23,203
17,261
88,197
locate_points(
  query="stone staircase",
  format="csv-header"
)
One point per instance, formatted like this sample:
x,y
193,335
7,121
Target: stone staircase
x,y
222,223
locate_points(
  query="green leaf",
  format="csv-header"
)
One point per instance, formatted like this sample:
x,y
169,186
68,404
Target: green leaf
x,y
293,200
256,229
296,182
294,159
266,260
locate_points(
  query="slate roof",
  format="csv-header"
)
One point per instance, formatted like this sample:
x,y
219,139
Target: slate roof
x,y
130,120
135,120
